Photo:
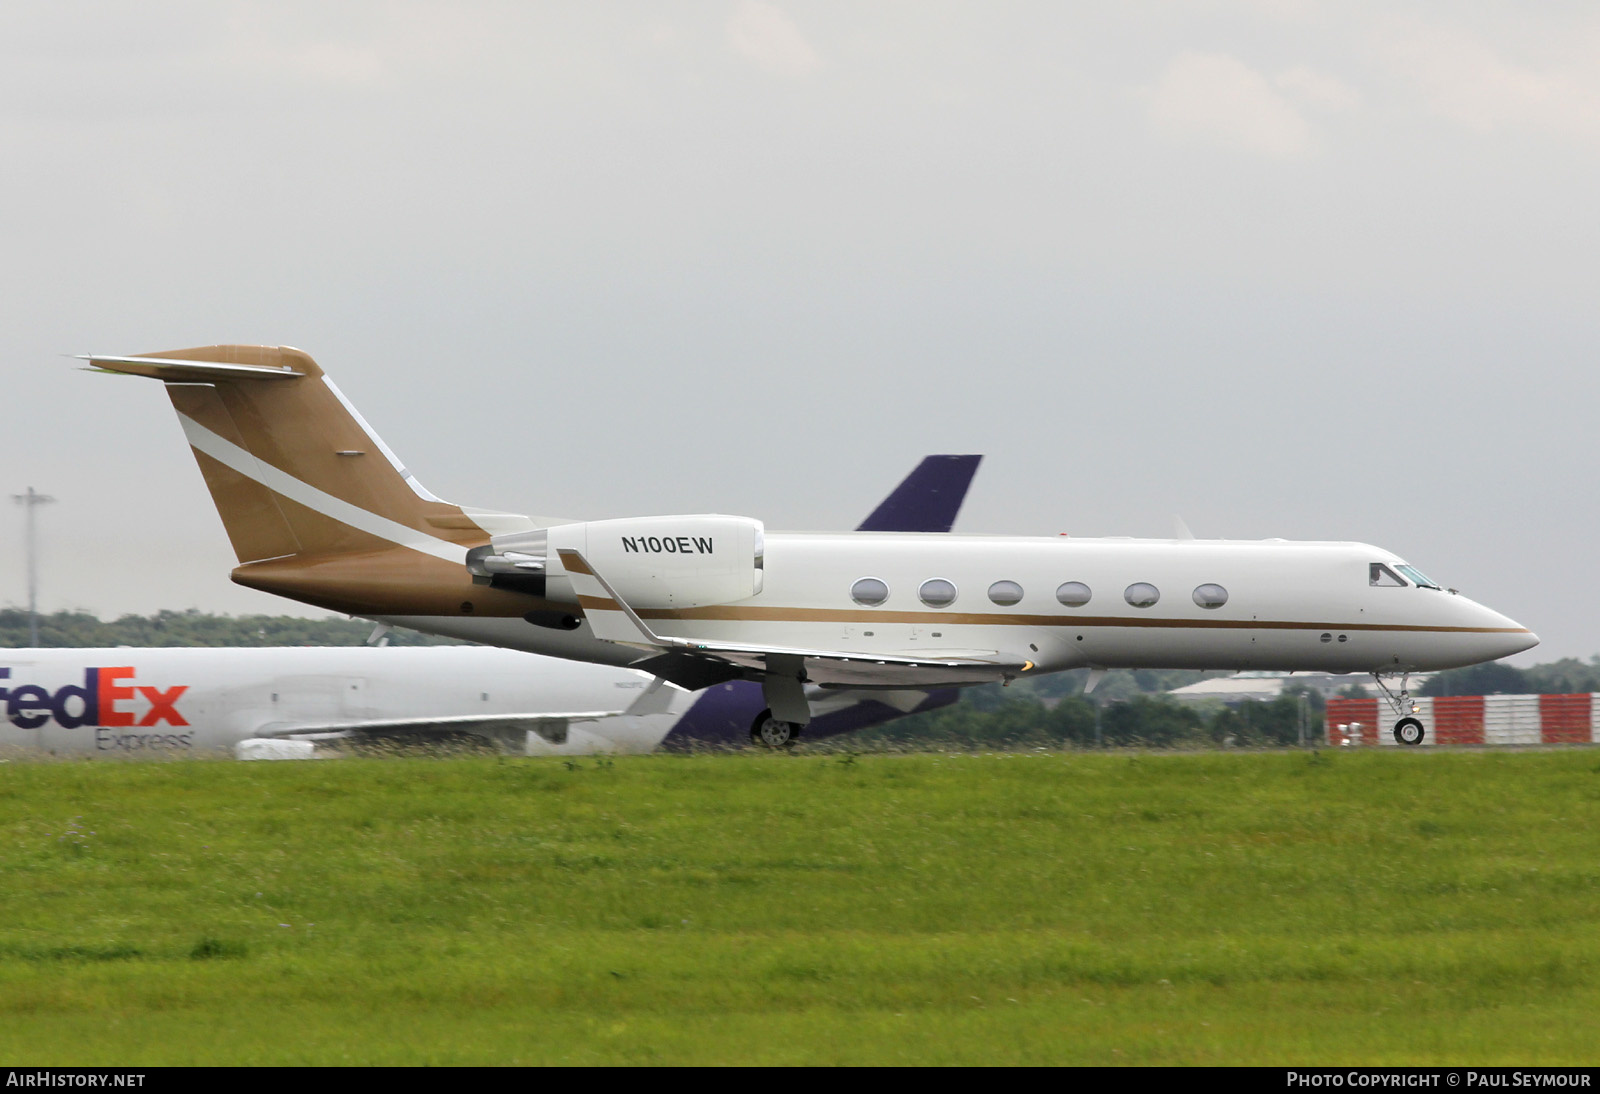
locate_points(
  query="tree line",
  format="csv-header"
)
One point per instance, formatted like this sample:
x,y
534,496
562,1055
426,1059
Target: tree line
x,y
1563,677
79,630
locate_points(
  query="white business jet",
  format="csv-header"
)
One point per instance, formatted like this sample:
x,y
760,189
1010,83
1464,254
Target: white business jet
x,y
321,511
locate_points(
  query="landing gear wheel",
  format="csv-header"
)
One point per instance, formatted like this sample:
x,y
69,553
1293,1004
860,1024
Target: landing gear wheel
x,y
1409,731
768,732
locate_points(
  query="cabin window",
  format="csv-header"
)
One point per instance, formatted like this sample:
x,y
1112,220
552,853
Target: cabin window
x,y
1210,596
1005,592
1383,577
936,592
869,591
1141,594
1417,576
1074,594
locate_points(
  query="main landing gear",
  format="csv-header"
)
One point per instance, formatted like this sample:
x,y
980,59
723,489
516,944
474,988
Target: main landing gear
x,y
1408,730
771,733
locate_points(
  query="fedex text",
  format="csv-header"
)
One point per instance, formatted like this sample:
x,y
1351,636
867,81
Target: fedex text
x,y
107,698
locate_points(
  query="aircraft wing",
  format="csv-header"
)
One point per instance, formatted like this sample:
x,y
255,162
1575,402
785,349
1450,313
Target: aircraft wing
x,y
828,668
471,723
693,662
552,725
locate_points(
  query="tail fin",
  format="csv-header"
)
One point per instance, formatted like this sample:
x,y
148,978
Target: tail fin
x,y
291,465
928,499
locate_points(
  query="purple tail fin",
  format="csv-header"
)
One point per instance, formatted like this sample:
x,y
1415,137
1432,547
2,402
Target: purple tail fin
x,y
928,499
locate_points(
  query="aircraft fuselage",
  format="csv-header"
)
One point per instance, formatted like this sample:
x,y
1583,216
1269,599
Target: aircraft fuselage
x,y
1290,606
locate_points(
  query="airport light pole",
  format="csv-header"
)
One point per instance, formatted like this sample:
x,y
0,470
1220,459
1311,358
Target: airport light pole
x,y
32,501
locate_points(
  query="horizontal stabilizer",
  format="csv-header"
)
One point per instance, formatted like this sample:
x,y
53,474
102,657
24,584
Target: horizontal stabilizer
x,y
177,371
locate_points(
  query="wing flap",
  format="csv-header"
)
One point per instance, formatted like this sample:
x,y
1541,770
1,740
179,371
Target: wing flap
x,y
688,670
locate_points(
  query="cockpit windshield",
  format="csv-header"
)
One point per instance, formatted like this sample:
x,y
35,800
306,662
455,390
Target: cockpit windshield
x,y
1417,576
1383,577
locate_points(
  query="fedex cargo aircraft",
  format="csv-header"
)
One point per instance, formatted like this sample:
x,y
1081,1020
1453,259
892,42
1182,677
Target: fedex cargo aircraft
x,y
320,510
279,703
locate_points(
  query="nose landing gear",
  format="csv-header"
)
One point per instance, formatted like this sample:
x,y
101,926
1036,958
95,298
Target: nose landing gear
x,y
1408,730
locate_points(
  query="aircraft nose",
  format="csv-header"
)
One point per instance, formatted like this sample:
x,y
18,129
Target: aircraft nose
x,y
1516,643
1505,636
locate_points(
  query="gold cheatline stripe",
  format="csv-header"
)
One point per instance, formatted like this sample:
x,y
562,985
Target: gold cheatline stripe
x,y
846,615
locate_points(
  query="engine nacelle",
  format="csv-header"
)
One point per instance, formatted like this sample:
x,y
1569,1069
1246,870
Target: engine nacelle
x,y
652,562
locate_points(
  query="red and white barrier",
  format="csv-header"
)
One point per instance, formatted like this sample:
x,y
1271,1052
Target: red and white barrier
x,y
1473,720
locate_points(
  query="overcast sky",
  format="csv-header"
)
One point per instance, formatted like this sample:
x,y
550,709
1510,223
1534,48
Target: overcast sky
x,y
1286,268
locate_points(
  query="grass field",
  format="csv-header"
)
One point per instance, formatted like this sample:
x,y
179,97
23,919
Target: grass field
x,y
1209,908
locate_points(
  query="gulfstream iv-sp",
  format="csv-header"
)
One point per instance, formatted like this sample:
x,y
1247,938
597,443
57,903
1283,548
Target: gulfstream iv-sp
x,y
321,511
